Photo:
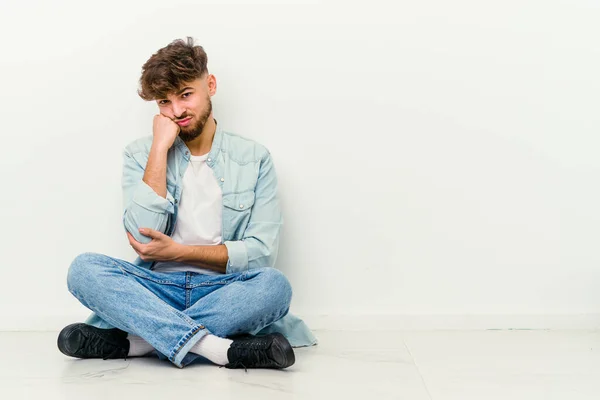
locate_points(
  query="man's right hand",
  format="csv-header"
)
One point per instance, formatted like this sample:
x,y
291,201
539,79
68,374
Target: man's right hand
x,y
164,131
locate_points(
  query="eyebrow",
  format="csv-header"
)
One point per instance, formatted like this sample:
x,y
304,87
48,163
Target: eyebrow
x,y
179,92
184,89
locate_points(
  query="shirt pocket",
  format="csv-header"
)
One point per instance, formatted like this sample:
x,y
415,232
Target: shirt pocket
x,y
237,208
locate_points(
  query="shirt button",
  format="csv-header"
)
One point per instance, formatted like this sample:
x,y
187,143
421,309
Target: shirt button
x,y
209,159
187,152
222,179
241,206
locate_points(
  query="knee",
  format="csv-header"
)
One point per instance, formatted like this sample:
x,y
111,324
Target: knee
x,y
278,285
81,270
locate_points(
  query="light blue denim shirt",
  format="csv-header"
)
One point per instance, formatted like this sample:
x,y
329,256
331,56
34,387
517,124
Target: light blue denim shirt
x,y
251,215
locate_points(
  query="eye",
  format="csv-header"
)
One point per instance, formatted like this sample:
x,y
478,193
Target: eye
x,y
162,102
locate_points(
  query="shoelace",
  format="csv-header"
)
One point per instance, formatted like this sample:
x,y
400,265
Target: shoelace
x,y
250,352
100,345
236,364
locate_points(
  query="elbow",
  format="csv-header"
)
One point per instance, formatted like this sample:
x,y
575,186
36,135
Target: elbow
x,y
265,256
269,256
136,218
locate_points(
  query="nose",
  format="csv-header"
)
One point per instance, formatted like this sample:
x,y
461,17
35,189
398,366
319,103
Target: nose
x,y
178,110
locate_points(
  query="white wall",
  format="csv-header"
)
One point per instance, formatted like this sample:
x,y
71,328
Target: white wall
x,y
434,157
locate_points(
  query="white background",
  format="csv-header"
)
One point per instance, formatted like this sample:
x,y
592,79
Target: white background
x,y
436,159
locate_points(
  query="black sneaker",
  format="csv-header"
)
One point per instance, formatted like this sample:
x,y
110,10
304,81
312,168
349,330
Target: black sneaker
x,y
86,341
269,351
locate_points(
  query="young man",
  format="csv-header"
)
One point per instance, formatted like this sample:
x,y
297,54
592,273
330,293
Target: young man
x,y
203,215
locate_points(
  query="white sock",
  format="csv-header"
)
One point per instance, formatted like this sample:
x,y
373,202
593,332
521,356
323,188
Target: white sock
x,y
214,348
138,346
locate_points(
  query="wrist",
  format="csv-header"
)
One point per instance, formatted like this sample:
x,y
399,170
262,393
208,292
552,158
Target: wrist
x,y
159,147
182,252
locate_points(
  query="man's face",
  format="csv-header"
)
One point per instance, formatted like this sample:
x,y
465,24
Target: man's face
x,y
191,100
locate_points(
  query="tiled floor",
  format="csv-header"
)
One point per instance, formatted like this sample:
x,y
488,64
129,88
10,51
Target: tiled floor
x,y
435,365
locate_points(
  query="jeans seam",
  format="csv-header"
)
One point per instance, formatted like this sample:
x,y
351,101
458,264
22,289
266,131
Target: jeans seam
x,y
159,281
184,317
224,282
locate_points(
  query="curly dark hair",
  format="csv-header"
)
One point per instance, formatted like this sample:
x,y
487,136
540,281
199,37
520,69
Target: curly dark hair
x,y
170,67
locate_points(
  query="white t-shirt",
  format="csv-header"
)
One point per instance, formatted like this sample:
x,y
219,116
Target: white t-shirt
x,y
199,215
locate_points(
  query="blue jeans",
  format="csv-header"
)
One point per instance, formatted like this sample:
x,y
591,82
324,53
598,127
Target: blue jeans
x,y
174,310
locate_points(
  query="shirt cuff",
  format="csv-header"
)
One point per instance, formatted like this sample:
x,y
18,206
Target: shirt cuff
x,y
238,257
147,198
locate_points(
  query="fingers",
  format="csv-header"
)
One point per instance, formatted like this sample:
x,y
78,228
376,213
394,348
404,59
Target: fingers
x,y
151,233
134,243
137,246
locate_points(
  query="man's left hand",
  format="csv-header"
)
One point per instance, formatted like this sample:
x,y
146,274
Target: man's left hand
x,y
161,248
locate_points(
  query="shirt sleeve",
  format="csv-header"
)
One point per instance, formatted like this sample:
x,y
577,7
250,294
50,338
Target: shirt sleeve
x,y
143,207
259,245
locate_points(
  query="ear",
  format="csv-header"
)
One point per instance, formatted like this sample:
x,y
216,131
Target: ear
x,y
212,84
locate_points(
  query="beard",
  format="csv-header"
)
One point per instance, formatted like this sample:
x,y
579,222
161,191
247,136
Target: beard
x,y
189,133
